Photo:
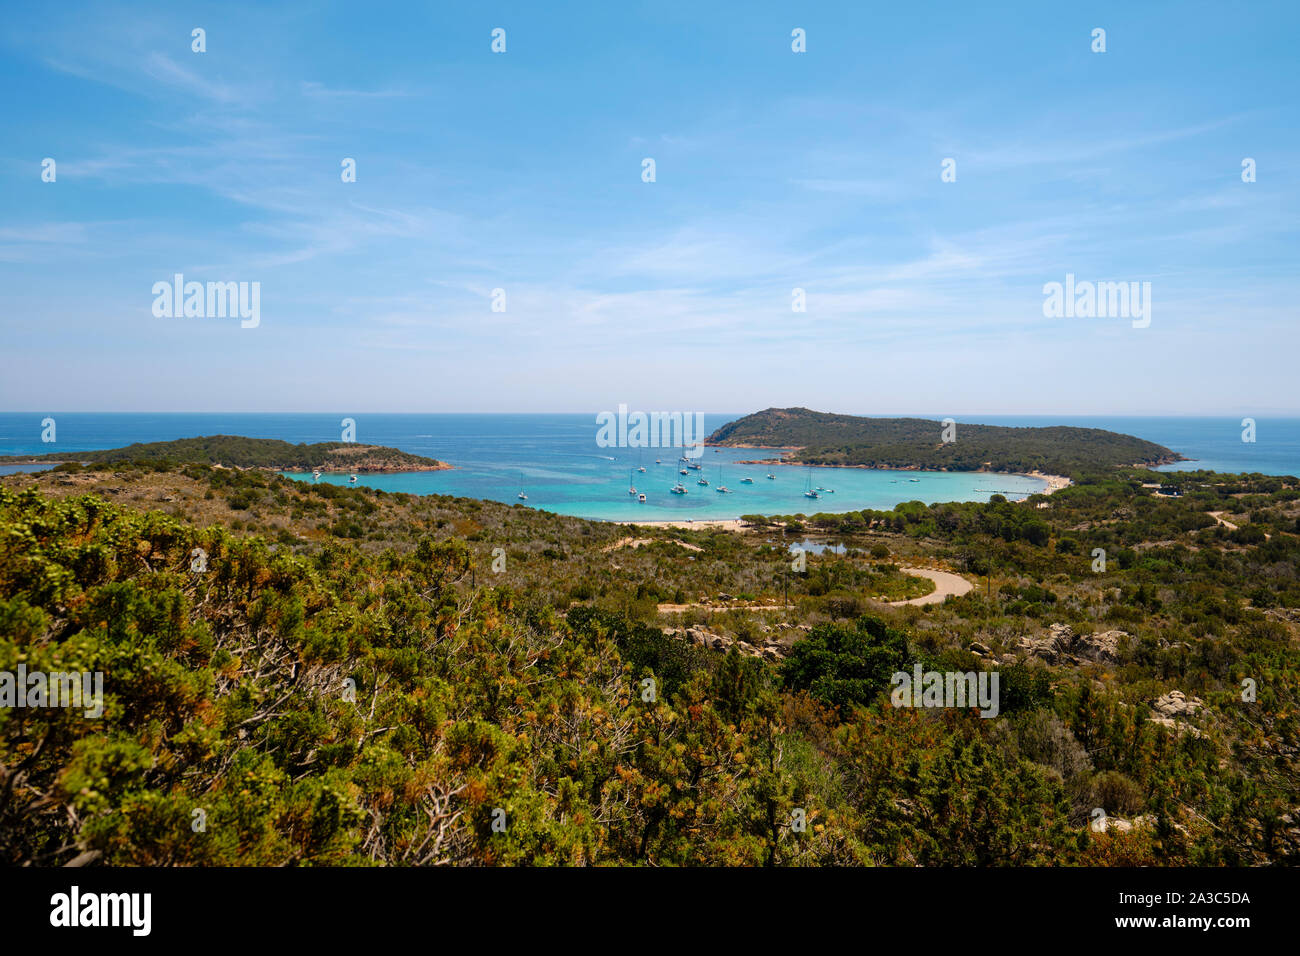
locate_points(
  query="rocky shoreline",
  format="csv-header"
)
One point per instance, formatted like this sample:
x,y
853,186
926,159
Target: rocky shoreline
x,y
364,459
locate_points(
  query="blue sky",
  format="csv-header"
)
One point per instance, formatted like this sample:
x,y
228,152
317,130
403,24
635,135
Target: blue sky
x,y
775,170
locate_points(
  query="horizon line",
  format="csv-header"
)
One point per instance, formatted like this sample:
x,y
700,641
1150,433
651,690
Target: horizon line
x,y
1281,413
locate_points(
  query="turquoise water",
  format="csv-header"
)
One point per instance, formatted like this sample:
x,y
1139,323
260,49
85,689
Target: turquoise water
x,y
598,489
564,470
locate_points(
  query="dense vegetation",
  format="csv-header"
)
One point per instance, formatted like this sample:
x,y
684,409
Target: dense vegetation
x,y
234,451
350,680
822,438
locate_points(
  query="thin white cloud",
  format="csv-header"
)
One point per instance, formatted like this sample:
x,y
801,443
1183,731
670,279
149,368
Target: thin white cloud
x,y
320,91
166,70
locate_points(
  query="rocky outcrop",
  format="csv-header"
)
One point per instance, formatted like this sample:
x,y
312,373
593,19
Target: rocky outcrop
x,y
1102,648
1120,825
1176,704
774,647
1063,646
1172,710
1052,648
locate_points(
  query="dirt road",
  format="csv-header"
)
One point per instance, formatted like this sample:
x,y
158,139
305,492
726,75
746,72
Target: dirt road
x,y
946,584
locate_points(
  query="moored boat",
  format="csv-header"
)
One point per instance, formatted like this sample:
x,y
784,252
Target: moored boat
x,y
809,492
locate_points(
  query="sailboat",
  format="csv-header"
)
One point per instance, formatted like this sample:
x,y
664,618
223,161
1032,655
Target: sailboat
x,y
631,488
678,489
810,493
640,467
721,489
521,496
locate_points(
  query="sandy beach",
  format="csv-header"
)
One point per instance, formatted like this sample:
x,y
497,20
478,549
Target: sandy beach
x,y
728,524
1054,482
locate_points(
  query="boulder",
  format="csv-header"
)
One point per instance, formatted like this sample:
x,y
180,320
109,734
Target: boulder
x,y
1172,709
1124,826
1063,632
1063,646
774,649
1176,704
1051,648
1103,648
697,635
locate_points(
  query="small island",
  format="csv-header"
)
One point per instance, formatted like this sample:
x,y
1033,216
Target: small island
x,y
266,454
824,438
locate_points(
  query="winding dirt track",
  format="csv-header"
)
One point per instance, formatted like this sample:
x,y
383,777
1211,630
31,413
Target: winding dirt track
x,y
946,584
1218,516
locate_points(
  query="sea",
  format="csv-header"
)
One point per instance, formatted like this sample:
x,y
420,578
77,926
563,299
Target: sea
x,y
556,461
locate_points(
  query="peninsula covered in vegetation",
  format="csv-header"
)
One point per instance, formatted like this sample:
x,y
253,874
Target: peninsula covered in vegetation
x,y
823,438
235,451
